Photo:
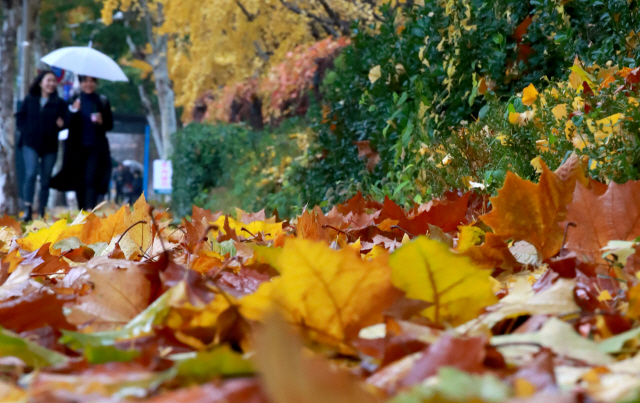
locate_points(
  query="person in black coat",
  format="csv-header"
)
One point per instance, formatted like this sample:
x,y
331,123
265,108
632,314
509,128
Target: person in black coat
x,y
86,168
40,118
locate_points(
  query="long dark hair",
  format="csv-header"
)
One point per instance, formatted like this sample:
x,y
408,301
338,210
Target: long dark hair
x,y
35,90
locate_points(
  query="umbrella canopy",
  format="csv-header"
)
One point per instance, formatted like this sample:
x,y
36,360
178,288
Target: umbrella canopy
x,y
134,165
85,61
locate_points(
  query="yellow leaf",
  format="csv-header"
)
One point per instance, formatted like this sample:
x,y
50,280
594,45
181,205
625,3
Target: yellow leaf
x,y
387,224
140,223
536,164
501,137
560,111
109,227
603,128
332,294
578,103
270,230
456,289
69,232
542,146
469,236
524,388
634,301
521,118
582,75
375,74
529,95
35,240
376,252
604,296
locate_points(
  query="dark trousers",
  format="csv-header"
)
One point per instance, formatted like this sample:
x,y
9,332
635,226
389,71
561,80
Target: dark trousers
x,y
88,197
32,164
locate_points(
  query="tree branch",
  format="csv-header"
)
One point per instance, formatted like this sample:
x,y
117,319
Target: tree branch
x,y
263,55
343,25
250,17
326,24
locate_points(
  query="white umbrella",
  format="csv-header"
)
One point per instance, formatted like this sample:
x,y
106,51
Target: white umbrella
x,y
86,61
135,165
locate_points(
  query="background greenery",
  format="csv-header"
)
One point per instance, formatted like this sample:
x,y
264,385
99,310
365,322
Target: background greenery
x,y
450,74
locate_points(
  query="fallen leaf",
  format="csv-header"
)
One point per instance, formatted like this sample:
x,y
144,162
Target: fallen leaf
x,y
466,354
33,355
120,292
614,215
331,294
289,376
35,240
522,300
533,212
34,310
559,337
456,289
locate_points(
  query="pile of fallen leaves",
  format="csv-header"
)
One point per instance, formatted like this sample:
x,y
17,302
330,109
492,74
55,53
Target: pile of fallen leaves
x,y
533,294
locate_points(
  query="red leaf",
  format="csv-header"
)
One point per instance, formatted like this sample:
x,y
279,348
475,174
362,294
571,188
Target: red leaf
x,y
465,354
33,311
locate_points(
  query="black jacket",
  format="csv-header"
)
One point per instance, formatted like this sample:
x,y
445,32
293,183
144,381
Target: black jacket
x,y
71,176
37,125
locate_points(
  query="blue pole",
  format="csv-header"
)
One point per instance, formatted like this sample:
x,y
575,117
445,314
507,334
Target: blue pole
x,y
145,176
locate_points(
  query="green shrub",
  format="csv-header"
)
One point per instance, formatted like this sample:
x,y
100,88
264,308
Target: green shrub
x,y
197,163
602,127
436,61
226,165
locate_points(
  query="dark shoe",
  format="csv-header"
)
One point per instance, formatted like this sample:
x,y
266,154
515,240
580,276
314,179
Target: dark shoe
x,y
41,214
27,214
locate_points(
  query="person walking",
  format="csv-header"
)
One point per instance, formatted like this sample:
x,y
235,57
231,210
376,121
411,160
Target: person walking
x,y
86,167
42,115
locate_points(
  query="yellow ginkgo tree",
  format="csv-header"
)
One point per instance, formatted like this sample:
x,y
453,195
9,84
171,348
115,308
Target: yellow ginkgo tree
x,y
205,45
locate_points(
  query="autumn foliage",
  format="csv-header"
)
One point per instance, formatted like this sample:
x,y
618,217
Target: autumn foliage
x,y
532,293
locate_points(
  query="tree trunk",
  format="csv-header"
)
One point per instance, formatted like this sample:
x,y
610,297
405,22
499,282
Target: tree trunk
x,y
151,119
164,88
164,92
31,58
149,110
8,39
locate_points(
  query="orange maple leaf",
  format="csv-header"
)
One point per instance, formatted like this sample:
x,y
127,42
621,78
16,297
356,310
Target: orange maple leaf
x,y
493,253
614,215
533,212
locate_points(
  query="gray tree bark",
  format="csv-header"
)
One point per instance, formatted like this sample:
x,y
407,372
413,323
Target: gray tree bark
x,y
8,187
164,87
149,110
165,94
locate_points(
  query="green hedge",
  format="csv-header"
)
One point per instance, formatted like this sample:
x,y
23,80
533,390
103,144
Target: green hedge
x,y
223,166
432,61
197,163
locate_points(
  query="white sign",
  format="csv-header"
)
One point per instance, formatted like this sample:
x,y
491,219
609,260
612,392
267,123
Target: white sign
x,y
162,173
